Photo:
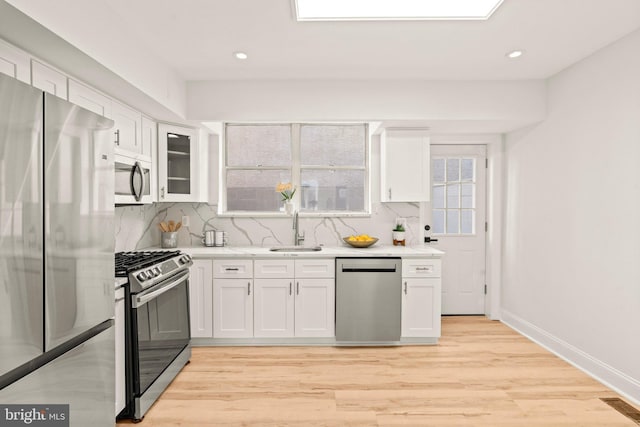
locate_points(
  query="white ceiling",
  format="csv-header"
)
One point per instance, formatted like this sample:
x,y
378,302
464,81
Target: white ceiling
x,y
198,37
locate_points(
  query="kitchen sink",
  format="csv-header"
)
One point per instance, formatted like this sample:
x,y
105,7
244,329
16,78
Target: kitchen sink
x,y
296,249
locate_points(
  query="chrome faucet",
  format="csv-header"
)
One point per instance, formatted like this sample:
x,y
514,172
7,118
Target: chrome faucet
x,y
297,236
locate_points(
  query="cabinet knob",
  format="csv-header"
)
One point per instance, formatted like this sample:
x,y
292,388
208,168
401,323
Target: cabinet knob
x,y
389,193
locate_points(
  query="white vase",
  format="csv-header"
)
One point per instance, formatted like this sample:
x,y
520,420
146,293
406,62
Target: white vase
x,y
288,208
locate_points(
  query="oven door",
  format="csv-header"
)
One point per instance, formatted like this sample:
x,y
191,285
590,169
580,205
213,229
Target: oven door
x,y
161,322
132,181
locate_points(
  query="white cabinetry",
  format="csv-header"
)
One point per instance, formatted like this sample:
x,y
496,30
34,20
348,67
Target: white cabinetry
x,y
90,99
178,158
201,298
293,298
232,298
150,151
315,298
128,131
421,299
120,381
48,79
405,169
273,301
15,62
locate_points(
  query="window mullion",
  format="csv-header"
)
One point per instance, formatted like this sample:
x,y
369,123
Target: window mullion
x,y
295,163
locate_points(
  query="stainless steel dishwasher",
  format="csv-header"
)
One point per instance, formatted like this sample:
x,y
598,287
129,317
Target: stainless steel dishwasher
x,y
368,299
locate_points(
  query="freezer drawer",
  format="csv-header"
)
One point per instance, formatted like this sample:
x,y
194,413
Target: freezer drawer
x,y
82,377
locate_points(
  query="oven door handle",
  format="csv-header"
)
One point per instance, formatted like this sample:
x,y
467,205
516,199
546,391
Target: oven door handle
x,y
144,297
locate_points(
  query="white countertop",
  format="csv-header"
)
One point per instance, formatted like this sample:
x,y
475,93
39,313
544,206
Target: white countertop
x,y
326,252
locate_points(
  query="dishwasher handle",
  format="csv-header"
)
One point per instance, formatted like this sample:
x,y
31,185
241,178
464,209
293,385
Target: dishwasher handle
x,y
350,269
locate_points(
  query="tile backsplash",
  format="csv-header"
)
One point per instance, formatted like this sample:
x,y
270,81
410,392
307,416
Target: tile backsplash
x,y
137,226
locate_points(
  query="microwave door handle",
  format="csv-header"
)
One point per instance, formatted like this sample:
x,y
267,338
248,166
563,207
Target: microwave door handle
x,y
137,169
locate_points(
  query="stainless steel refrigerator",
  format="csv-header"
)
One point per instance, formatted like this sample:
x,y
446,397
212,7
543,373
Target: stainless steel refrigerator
x,y
56,255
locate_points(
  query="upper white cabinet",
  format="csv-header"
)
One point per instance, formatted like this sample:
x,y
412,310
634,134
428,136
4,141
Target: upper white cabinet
x,y
15,62
89,98
405,169
127,131
178,158
49,80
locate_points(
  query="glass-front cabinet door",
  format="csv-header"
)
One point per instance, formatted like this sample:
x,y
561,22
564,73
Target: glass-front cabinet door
x,y
177,164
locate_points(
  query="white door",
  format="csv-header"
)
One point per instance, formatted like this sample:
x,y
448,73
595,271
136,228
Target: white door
x,y
458,212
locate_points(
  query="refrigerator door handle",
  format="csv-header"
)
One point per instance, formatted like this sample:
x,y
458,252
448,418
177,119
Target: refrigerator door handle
x,y
137,170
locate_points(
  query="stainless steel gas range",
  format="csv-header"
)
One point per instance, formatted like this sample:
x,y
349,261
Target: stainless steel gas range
x,y
157,330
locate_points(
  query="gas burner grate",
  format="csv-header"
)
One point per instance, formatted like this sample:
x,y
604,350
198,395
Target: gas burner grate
x,y
129,261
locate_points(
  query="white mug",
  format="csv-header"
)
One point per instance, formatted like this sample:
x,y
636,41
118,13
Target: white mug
x,y
220,238
209,238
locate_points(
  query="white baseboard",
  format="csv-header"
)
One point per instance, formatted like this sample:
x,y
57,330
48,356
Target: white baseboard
x,y
607,375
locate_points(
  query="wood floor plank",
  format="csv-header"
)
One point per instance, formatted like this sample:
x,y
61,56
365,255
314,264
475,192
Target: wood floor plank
x,y
481,374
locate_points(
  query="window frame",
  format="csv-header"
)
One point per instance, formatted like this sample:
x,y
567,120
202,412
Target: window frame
x,y
295,168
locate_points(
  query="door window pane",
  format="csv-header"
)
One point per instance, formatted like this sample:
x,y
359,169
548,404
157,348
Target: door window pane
x,y
437,200
453,170
438,170
468,169
453,195
438,221
452,221
466,197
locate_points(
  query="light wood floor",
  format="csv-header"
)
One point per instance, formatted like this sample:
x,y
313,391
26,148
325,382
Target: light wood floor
x,y
481,374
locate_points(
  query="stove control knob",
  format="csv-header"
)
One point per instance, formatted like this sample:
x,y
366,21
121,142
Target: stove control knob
x,y
156,271
142,276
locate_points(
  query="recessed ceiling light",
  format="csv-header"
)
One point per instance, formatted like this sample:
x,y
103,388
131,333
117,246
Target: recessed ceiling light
x,y
515,54
240,55
372,10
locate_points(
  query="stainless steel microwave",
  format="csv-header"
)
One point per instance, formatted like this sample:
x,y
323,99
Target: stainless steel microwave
x,y
132,181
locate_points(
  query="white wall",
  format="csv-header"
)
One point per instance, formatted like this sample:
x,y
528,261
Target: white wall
x,y
506,104
572,221
106,40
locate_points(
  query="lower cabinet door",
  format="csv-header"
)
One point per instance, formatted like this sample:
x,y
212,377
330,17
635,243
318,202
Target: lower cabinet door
x,y
233,308
421,307
315,307
273,308
201,298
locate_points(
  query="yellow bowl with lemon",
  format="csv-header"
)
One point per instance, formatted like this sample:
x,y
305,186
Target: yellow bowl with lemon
x,y
360,241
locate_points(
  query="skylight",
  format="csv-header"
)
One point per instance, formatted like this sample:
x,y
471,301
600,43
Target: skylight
x,y
374,10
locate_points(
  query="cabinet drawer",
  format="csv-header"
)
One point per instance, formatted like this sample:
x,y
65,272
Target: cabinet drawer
x,y
238,268
315,268
277,268
420,267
